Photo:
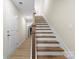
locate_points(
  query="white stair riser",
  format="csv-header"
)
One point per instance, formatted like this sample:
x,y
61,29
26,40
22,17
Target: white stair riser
x,y
50,53
47,45
45,35
45,39
43,31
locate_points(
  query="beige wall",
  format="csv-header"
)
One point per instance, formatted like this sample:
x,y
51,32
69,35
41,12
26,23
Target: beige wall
x,y
60,13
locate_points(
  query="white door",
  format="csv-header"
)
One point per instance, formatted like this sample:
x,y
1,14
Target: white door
x,y
10,35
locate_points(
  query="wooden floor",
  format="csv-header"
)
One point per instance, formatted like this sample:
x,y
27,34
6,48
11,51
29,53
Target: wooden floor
x,y
23,51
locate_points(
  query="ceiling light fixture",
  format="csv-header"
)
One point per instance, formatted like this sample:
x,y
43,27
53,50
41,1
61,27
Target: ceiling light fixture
x,y
20,2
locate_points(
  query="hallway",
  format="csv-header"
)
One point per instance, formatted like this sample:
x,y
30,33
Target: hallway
x,y
39,29
44,42
23,51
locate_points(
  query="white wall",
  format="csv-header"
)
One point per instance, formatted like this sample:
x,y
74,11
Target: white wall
x,y
39,5
15,24
23,32
60,13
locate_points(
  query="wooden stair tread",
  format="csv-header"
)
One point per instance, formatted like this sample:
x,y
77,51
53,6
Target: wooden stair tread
x,y
49,49
48,42
40,21
45,36
51,57
43,29
43,32
42,26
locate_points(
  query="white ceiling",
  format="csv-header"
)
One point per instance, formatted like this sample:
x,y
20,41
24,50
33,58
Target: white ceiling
x,y
26,8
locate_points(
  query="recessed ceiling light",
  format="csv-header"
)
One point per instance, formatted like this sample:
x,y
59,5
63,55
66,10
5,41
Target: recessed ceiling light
x,y
20,2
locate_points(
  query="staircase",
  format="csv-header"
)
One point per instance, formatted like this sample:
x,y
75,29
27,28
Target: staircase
x,y
44,42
